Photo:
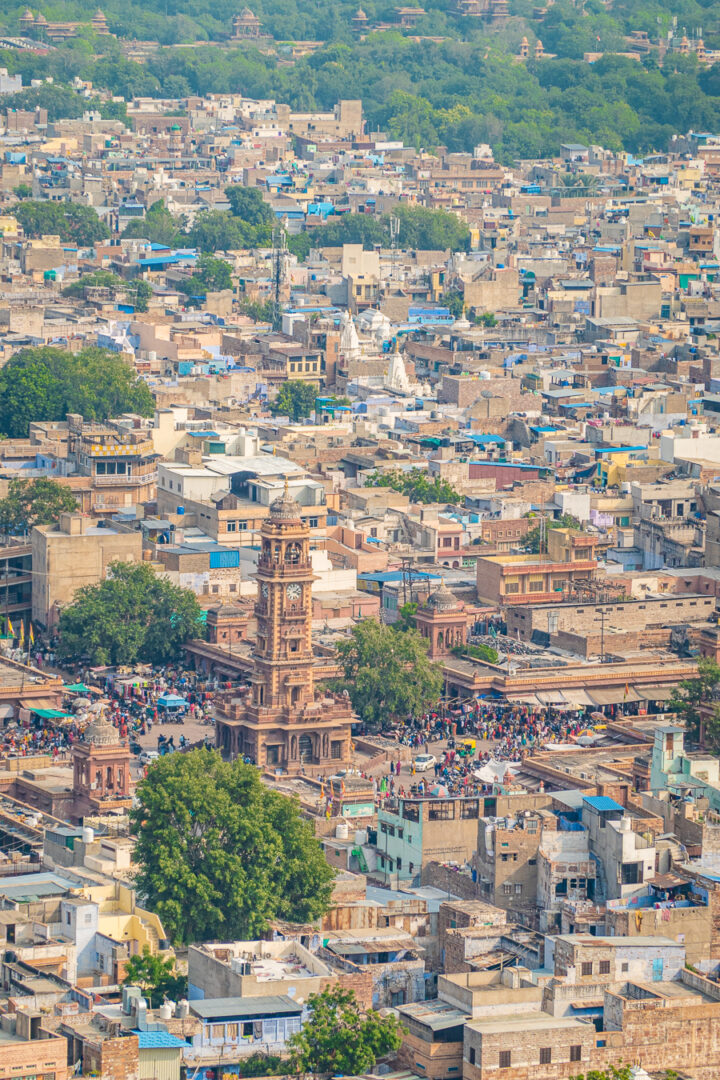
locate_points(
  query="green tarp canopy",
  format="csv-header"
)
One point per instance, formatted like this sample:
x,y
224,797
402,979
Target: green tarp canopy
x,y
52,714
77,688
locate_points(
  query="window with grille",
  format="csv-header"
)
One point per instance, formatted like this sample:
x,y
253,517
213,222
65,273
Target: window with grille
x,y
586,969
576,1053
504,1059
604,967
545,1055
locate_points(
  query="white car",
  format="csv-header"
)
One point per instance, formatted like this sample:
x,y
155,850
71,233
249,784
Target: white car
x,y
148,756
423,762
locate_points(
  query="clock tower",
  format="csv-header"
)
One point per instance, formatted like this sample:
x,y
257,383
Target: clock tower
x,y
284,658
284,724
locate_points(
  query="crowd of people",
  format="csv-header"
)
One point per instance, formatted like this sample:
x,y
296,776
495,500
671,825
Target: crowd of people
x,y
132,706
475,736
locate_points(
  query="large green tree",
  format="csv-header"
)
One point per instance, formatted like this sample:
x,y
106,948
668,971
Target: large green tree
x,y
295,399
73,222
338,1039
690,695
158,226
218,230
416,484
46,383
132,615
33,502
387,675
219,854
248,205
156,976
210,275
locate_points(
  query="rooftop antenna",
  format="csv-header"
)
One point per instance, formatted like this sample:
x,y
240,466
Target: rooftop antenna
x,y
394,233
279,259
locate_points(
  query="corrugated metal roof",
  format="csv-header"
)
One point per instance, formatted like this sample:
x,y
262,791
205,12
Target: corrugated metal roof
x,y
245,1007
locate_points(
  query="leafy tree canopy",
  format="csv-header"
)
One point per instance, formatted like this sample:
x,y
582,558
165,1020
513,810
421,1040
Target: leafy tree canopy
x,y
263,1065
259,310
219,230
419,227
480,652
45,383
295,399
532,538
137,292
248,205
210,275
158,226
387,674
156,977
691,694
34,502
132,615
74,223
416,484
220,854
338,1039
406,617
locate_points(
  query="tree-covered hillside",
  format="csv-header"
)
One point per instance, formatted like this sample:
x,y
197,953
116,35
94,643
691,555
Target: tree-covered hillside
x,y
459,91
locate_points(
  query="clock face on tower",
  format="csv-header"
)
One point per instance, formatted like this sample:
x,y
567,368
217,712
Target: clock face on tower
x,y
294,591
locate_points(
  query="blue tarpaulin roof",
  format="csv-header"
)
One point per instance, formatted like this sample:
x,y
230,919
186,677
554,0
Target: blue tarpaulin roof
x,y
158,1040
602,802
484,440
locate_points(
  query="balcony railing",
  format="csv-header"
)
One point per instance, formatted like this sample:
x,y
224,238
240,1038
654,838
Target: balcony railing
x,y
128,480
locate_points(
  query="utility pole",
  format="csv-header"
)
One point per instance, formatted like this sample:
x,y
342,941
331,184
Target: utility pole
x,y
279,258
394,233
603,613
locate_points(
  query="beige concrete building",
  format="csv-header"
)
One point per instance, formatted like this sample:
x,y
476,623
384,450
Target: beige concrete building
x,y
73,553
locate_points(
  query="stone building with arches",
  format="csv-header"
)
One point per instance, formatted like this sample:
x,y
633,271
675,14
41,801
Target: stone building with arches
x,y
101,770
442,621
284,722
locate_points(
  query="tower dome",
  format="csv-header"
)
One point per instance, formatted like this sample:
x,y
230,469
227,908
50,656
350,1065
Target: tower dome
x,y
100,732
441,599
285,508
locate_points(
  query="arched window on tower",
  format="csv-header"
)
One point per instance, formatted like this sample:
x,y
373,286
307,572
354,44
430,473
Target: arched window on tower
x,y
292,553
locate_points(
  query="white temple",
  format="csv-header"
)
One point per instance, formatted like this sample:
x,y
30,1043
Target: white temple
x,y
349,341
396,377
397,381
